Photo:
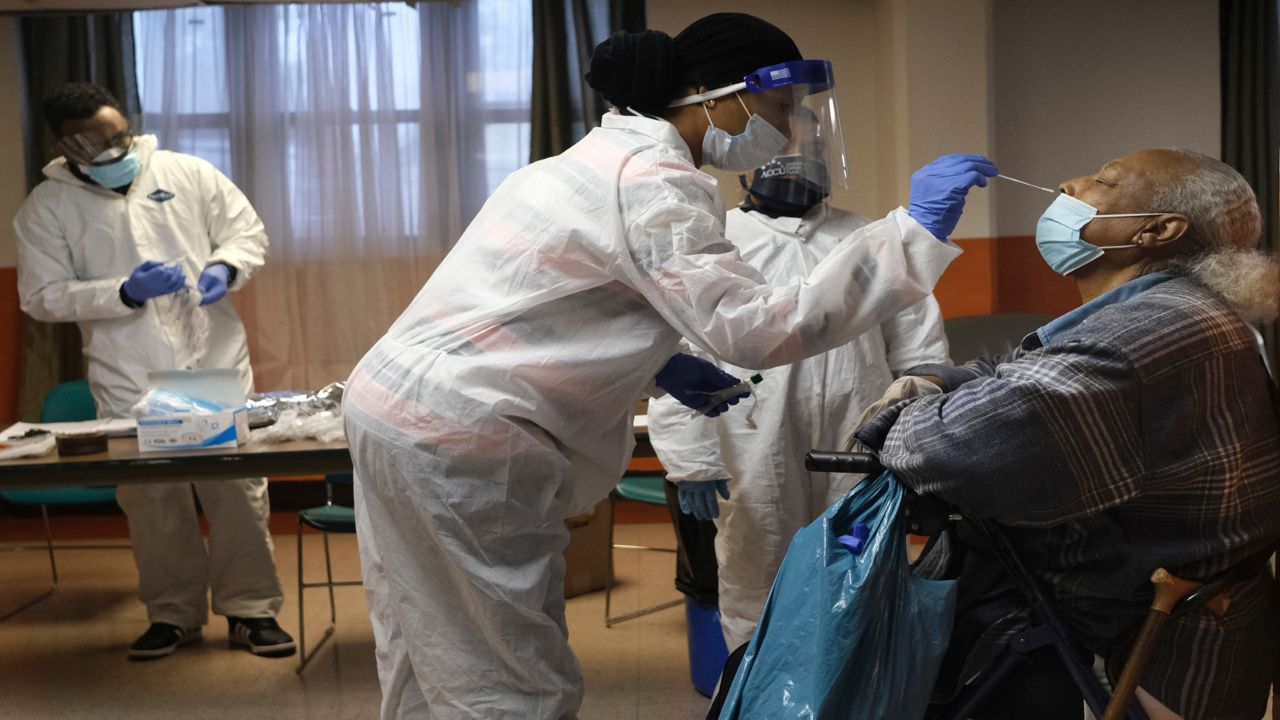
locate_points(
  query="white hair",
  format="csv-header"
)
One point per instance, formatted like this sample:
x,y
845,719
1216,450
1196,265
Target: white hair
x,y
1225,226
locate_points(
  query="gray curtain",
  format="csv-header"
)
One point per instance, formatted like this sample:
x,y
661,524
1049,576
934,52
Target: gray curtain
x,y
57,50
564,34
1250,41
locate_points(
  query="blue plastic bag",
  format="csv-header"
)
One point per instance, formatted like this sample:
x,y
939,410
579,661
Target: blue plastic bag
x,y
842,635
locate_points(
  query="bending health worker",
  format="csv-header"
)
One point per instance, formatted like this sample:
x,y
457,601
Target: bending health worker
x,y
500,402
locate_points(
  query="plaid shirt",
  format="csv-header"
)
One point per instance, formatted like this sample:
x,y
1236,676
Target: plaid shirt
x,y
1136,432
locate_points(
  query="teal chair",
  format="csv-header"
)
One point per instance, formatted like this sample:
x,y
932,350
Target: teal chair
x,y
647,489
328,518
68,402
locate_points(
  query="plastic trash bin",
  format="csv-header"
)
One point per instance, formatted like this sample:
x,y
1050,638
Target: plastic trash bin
x,y
707,651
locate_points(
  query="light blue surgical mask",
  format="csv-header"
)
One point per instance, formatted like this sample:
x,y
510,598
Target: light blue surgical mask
x,y
755,146
118,173
1058,234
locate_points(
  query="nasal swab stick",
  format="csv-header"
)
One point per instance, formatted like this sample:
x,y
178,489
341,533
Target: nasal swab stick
x,y
1024,182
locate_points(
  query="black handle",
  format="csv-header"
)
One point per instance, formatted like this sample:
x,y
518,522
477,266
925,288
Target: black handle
x,y
842,462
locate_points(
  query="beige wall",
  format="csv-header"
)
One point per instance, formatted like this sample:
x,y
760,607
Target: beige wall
x,y
1082,82
13,186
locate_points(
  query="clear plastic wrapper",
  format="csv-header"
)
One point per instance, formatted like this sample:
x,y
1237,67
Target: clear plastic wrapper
x,y
158,402
325,426
187,323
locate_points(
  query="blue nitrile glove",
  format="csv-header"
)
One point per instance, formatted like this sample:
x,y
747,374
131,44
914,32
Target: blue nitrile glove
x,y
213,283
693,381
153,279
938,190
698,497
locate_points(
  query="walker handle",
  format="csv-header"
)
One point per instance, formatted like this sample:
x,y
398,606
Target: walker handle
x,y
842,462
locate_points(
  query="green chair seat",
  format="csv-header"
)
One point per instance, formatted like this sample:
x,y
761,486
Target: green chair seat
x,y
61,496
330,518
647,489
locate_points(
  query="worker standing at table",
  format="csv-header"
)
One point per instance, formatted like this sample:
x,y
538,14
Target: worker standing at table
x,y
139,247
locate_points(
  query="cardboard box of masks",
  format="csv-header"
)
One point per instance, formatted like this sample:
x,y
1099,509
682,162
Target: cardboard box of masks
x,y
205,430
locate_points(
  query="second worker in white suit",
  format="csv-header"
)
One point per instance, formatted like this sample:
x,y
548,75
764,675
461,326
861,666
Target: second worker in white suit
x,y
114,239
784,228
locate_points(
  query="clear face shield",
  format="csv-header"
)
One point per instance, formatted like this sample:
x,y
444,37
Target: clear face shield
x,y
797,178
797,99
815,149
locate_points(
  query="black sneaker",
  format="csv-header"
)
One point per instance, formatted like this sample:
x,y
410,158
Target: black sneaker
x,y
263,636
162,639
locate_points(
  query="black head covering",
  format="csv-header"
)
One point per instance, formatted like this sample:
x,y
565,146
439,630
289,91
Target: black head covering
x,y
721,49
636,70
646,71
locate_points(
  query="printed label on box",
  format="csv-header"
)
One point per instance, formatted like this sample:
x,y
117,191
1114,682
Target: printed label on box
x,y
193,431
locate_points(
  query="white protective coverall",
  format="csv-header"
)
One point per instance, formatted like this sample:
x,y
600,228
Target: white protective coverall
x,y
501,401
813,403
77,243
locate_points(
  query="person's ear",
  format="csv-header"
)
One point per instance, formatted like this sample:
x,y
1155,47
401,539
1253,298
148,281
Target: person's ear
x,y
1162,230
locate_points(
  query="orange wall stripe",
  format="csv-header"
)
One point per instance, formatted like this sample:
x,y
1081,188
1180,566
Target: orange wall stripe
x,y
1026,284
968,287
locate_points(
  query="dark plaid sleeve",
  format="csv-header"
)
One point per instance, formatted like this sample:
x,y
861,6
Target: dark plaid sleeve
x,y
1051,436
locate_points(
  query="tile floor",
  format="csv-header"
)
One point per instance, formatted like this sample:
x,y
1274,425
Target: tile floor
x,y
65,658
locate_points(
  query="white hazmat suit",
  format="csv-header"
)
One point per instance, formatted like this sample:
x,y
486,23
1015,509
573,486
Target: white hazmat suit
x,y
501,401
77,244
810,404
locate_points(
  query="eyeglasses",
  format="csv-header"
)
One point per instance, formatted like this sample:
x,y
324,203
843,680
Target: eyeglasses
x,y
95,149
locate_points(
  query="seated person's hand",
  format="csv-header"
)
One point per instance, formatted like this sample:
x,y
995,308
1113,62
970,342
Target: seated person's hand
x,y
906,387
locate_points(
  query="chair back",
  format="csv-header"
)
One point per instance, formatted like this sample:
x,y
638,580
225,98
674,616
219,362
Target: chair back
x,y
69,402
974,336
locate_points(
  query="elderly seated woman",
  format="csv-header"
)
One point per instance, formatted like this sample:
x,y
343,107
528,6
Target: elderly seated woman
x,y
1137,431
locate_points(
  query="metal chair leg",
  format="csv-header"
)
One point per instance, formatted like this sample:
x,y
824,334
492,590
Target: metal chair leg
x,y
305,657
302,608
53,570
608,583
610,621
48,540
328,571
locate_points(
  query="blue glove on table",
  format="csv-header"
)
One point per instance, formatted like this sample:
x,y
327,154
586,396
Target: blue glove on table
x,y
152,279
213,283
698,497
693,381
938,190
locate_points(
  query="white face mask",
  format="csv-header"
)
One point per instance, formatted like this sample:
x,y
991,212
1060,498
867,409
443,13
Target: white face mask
x,y
757,144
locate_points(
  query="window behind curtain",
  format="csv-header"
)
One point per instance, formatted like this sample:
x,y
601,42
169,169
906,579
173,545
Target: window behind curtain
x,y
366,137
188,92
